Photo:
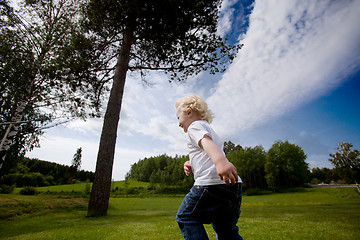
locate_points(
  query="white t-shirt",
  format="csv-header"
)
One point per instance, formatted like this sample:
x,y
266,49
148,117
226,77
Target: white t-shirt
x,y
202,166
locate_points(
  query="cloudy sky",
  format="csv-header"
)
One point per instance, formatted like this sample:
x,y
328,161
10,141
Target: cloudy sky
x,y
297,78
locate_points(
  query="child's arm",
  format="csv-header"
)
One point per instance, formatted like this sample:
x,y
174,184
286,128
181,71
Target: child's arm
x,y
224,168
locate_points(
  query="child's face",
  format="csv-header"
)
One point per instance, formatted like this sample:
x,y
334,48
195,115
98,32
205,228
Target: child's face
x,y
184,118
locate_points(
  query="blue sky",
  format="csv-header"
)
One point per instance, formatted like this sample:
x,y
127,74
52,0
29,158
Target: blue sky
x,y
297,78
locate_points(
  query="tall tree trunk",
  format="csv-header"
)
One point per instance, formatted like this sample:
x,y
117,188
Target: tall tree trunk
x,y
100,193
11,131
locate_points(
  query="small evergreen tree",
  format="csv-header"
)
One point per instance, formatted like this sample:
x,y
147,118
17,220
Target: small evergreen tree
x,y
75,165
76,161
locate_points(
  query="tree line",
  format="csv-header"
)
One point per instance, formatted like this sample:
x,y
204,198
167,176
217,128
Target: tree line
x,y
324,175
38,173
282,166
161,171
346,162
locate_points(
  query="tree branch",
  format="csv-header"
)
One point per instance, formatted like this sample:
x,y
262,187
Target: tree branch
x,y
165,68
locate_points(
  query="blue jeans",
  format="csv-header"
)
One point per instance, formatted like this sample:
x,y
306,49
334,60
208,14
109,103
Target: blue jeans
x,y
218,205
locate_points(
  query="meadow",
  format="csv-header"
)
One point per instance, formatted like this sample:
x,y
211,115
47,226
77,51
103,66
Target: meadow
x,y
312,213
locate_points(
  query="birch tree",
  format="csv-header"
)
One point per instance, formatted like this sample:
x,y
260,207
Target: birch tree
x,y
47,69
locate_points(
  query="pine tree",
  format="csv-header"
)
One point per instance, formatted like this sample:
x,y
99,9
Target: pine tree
x,y
177,37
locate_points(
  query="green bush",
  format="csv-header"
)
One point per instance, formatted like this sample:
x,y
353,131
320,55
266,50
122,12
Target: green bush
x,y
28,191
6,188
87,187
28,179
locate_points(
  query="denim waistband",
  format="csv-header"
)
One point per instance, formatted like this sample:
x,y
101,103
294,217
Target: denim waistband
x,y
223,190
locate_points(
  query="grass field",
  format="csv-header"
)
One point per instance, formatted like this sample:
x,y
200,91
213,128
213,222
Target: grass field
x,y
323,213
80,187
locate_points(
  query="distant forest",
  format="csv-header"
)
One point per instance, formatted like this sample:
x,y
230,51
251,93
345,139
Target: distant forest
x,y
162,170
282,166
38,173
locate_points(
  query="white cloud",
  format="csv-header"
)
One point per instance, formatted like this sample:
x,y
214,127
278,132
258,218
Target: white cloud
x,y
151,111
295,51
92,125
225,23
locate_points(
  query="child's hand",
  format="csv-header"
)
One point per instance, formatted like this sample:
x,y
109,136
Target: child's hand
x,y
187,168
227,172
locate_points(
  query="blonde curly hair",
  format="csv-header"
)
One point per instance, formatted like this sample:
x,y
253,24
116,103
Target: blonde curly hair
x,y
196,103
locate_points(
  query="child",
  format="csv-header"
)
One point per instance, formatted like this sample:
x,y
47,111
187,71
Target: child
x,y
216,195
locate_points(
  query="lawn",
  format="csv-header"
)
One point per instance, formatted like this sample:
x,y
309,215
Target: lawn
x,y
324,213
80,187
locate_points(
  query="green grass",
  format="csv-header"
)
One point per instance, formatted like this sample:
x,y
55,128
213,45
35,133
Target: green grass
x,y
328,213
325,213
80,187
